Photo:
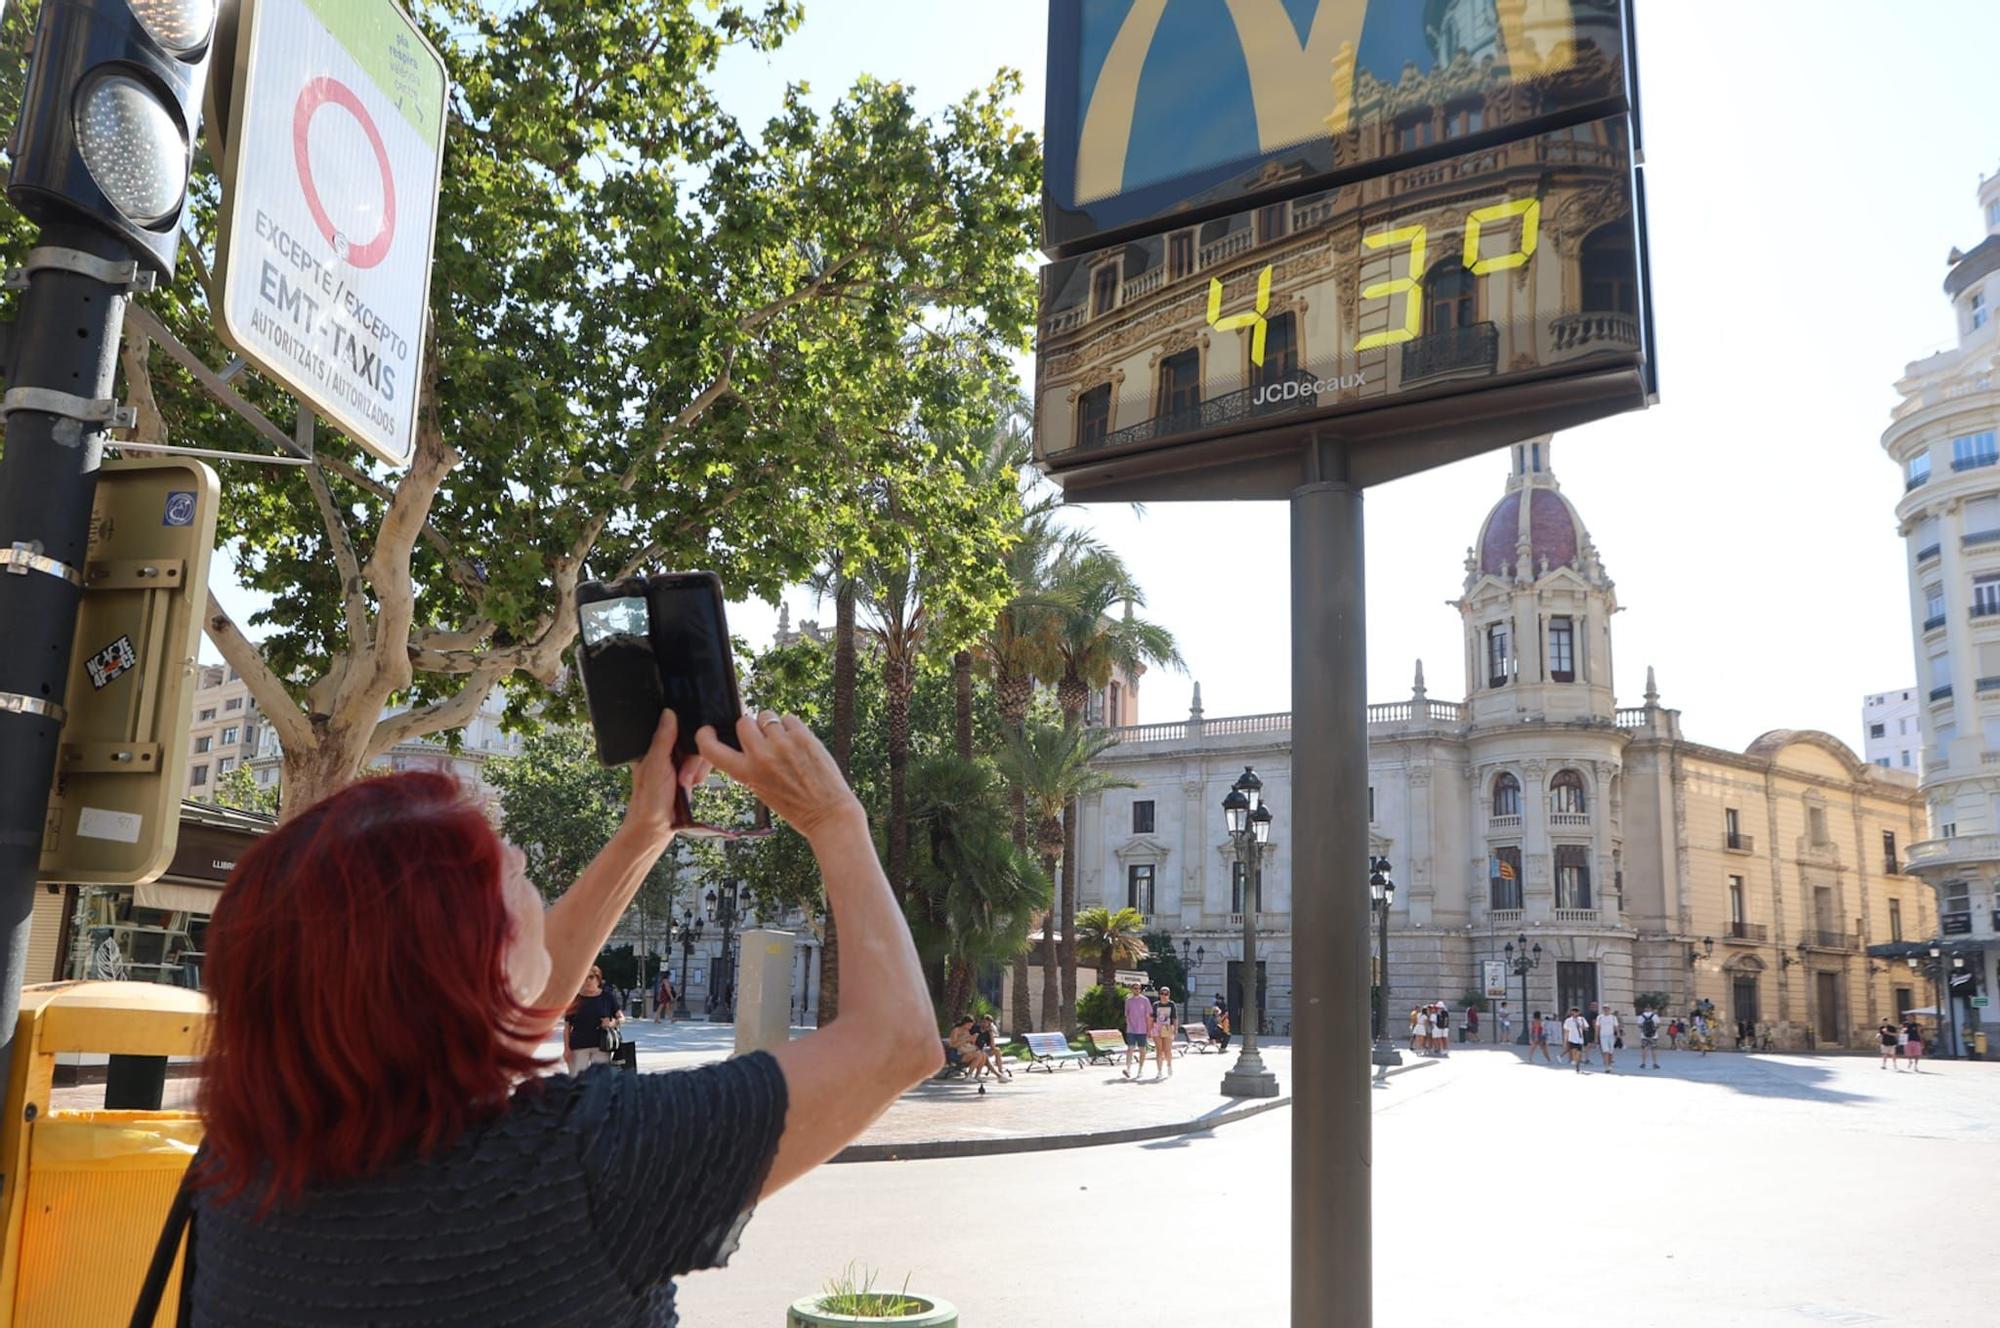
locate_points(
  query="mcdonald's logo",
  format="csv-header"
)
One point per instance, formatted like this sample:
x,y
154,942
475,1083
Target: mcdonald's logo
x,y
1301,87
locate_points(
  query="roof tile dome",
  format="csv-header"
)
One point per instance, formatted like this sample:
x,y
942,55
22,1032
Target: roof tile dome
x,y
1532,520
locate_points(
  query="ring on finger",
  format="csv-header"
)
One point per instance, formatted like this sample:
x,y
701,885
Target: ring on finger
x,y
769,718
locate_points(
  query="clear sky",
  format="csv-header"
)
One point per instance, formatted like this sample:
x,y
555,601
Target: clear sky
x,y
1810,165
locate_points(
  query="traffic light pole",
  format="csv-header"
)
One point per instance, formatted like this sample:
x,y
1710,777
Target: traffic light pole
x,y
58,404
1332,1166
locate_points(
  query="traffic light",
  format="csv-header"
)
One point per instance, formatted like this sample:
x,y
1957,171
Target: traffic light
x,y
109,115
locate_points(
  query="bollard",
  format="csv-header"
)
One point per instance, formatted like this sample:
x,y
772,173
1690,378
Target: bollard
x,y
764,991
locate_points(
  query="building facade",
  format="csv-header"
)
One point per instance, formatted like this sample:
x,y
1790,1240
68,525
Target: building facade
x,y
1945,437
1640,861
1893,731
224,733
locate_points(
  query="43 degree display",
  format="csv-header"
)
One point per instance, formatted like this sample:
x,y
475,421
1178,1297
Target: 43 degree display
x,y
1511,262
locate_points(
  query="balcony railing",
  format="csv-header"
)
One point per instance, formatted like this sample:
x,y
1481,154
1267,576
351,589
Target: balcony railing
x,y
1505,822
1739,843
1986,685
1960,848
1456,350
1974,462
1979,537
1215,413
1986,610
1226,248
1928,552
1583,917
1832,940
1940,693
1932,623
1599,330
1569,819
1142,285
1754,932
1504,917
1631,717
1916,481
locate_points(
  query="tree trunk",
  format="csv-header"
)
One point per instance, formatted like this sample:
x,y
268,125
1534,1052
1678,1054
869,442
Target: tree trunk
x,y
899,680
1074,696
1014,693
958,988
843,756
961,683
309,774
1052,1011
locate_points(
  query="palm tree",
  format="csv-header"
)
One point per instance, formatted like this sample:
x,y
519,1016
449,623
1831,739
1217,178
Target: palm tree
x,y
973,892
1091,645
1015,649
843,756
1112,939
1052,766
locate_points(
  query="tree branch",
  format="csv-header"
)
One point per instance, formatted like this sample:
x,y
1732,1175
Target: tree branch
x,y
451,712
295,731
353,603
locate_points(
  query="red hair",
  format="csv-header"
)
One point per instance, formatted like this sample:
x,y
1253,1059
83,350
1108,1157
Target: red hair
x,y
357,973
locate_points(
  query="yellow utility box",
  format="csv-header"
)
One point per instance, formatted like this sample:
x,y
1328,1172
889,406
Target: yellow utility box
x,y
85,1192
1979,1045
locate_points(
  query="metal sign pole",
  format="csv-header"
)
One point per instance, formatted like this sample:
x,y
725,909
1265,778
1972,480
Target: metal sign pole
x,y
59,405
1331,1150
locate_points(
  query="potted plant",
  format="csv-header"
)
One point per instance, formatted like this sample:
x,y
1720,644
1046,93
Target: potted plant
x,y
851,1299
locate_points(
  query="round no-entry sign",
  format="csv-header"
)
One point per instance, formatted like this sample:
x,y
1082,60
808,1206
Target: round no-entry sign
x,y
317,93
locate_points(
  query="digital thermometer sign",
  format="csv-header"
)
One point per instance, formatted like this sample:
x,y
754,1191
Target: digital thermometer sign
x,y
1506,264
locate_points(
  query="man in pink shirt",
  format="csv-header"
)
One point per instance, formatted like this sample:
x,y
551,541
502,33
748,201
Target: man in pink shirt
x,y
1138,1030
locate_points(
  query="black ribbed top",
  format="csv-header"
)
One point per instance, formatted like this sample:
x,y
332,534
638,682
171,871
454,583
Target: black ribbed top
x,y
577,1206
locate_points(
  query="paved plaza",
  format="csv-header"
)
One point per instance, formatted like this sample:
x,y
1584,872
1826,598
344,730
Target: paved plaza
x,y
1768,1191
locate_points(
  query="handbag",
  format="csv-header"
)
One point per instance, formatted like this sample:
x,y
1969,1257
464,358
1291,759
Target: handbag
x,y
609,1039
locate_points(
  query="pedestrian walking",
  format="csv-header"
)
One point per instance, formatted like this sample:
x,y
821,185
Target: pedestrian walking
x,y
1886,1035
1506,1024
1649,1038
1575,1035
665,1008
1674,1033
1416,1030
1164,1027
1538,1038
1443,1023
1608,1040
1472,1023
1913,1045
591,1022
1138,1029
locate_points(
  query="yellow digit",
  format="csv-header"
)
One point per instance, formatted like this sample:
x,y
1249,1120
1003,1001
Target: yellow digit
x,y
1253,320
1413,285
1529,210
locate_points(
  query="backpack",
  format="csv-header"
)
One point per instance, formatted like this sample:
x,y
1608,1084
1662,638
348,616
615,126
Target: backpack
x,y
1648,1028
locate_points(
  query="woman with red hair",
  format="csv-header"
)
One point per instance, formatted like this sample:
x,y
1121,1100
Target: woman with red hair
x,y
382,1146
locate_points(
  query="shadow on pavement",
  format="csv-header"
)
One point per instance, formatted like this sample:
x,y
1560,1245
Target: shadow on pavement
x,y
1756,1074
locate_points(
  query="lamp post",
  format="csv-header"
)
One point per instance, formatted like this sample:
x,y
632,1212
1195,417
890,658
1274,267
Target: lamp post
x,y
722,982
688,934
1522,961
1249,822
1191,957
1382,896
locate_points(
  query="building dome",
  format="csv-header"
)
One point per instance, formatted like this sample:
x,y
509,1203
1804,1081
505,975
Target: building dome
x,y
1532,521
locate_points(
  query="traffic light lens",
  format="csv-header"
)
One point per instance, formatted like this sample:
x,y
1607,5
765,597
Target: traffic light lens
x,y
179,26
134,148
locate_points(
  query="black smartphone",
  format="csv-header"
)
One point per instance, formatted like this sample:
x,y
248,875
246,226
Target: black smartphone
x,y
650,643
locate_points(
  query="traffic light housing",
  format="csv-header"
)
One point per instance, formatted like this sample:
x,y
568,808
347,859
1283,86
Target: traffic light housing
x,y
109,117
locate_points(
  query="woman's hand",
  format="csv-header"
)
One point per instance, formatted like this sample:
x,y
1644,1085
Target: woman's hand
x,y
786,766
656,780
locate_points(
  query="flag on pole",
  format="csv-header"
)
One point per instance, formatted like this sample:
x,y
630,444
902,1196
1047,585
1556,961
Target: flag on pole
x,y
1499,868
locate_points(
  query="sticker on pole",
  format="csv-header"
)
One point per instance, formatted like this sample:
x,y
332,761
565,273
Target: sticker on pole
x,y
111,663
335,143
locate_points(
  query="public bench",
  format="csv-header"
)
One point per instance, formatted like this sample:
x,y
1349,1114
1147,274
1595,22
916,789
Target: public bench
x,y
1106,1045
1048,1050
1194,1037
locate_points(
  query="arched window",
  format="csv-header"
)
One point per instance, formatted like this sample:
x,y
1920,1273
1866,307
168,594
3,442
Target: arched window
x,y
1566,793
1450,297
1607,271
1506,795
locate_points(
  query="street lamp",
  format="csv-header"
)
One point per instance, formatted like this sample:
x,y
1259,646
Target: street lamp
x,y
1382,895
1249,822
1191,957
1521,962
688,934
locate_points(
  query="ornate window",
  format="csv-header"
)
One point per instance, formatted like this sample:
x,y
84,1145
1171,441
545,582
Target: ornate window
x,y
1506,795
1566,793
1607,271
1139,887
1562,649
1180,383
1573,876
1506,878
1093,415
1451,297
1499,658
1281,351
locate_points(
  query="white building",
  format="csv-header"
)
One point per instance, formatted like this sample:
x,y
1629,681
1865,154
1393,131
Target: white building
x,y
1945,436
1893,734
479,741
1639,861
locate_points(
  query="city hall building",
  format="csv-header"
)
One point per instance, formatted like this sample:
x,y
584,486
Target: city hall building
x,y
1638,859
